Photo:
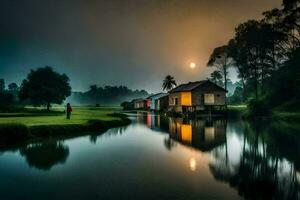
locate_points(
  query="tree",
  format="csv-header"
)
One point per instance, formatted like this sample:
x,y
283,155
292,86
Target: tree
x,y
255,43
93,88
220,59
45,155
168,83
2,85
216,77
44,86
13,87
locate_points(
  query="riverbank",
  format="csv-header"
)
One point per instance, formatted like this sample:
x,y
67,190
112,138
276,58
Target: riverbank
x,y
19,127
242,111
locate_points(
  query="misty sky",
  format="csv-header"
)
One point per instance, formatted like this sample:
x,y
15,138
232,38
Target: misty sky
x,y
133,43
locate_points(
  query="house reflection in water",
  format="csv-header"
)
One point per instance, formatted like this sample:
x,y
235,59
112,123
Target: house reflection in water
x,y
153,121
201,134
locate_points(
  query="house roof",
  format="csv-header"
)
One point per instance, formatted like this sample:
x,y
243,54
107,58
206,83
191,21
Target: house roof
x,y
158,95
192,85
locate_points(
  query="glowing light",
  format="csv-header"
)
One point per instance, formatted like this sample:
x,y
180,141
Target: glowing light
x,y
193,164
186,98
192,65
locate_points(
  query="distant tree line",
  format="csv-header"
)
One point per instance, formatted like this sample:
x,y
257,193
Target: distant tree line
x,y
9,94
266,55
43,87
107,95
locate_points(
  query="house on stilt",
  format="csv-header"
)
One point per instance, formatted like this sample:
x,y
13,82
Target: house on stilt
x,y
197,96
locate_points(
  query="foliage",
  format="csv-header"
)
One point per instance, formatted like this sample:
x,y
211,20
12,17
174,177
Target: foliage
x,y
258,108
127,105
6,99
11,133
44,86
216,77
237,96
221,60
107,95
285,82
266,55
45,155
2,85
168,83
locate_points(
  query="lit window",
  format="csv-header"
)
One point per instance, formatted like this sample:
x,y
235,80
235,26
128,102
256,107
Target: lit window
x,y
186,99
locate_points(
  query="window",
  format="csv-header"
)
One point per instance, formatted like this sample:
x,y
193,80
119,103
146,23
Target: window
x,y
186,98
209,99
175,101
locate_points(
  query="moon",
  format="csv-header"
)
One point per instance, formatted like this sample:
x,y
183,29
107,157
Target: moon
x,y
192,65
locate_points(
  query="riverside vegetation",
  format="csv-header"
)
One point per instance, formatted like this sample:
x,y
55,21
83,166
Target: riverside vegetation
x,y
33,124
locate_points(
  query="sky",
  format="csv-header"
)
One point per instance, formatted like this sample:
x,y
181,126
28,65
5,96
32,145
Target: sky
x,y
119,42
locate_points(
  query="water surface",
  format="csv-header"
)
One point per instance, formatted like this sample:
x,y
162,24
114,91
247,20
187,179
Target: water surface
x,y
160,158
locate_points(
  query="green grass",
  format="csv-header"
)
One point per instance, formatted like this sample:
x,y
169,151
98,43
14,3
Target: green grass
x,y
286,116
38,124
236,111
283,113
80,115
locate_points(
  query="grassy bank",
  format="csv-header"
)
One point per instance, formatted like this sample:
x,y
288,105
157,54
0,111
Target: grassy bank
x,y
16,127
242,111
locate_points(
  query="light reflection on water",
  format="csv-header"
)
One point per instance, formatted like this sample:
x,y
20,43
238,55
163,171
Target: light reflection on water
x,y
160,158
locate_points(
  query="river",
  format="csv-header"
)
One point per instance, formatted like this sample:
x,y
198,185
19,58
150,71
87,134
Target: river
x,y
160,158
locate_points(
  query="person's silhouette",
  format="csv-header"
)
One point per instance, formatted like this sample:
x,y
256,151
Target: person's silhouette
x,y
69,110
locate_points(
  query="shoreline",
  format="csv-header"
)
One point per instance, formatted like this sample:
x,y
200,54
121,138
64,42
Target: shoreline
x,y
17,133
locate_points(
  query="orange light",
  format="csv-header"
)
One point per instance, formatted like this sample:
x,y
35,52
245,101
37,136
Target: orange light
x,y
186,133
186,98
193,164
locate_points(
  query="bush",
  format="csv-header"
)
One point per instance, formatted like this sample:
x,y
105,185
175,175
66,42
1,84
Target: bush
x,y
258,108
6,98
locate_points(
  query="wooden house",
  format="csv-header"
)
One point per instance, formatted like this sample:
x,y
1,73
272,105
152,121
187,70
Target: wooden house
x,y
153,101
139,103
162,102
194,96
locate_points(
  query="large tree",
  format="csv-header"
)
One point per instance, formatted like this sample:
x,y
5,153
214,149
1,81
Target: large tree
x,y
169,82
220,59
216,77
44,86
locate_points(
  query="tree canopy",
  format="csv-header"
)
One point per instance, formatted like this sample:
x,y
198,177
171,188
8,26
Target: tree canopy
x,y
44,86
264,53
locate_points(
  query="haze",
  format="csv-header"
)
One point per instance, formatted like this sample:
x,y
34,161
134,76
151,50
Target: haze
x,y
132,43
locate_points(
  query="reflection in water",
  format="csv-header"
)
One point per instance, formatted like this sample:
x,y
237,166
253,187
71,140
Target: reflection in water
x,y
193,164
260,173
109,133
200,134
263,162
172,159
45,155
